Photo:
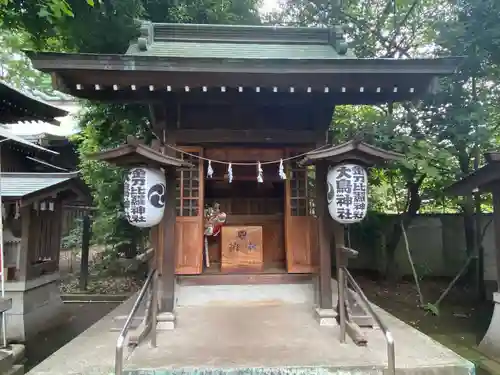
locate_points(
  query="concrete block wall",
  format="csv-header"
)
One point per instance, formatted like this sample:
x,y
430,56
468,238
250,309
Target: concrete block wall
x,y
437,244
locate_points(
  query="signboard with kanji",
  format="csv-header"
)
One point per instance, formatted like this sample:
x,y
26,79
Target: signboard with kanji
x,y
347,193
144,197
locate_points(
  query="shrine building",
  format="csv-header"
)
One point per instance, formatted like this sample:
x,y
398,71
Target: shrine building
x,y
242,113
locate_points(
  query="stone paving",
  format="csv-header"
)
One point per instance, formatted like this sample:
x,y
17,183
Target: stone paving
x,y
242,337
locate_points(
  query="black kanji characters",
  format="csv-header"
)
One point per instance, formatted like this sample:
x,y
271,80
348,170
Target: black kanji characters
x,y
343,172
344,186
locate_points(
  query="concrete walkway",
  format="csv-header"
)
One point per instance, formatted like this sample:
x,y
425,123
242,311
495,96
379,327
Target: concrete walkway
x,y
243,337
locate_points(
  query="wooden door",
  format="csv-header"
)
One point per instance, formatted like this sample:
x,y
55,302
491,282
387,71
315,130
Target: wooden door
x,y
189,221
300,221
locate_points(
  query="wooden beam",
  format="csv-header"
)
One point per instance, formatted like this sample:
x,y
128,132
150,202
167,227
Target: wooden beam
x,y
203,136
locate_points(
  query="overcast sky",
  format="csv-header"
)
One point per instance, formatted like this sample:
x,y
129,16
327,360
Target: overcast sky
x,y
268,5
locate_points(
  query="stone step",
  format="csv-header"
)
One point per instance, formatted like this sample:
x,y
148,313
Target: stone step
x,y
259,371
17,350
326,370
5,304
119,322
6,361
16,370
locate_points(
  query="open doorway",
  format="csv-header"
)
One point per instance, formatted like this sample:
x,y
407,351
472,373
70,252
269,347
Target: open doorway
x,y
248,203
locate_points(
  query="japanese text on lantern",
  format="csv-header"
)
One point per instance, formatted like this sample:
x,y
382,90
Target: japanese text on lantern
x,y
350,200
135,200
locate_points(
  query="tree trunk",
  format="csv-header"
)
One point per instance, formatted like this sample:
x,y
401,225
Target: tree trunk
x,y
391,271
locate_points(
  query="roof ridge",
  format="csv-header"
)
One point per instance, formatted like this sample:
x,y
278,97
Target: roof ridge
x,y
151,32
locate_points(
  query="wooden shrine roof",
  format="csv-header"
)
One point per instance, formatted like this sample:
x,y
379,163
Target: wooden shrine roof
x,y
352,150
134,153
483,179
209,59
17,105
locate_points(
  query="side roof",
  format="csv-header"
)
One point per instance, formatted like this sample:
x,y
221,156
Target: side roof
x,y
20,105
27,187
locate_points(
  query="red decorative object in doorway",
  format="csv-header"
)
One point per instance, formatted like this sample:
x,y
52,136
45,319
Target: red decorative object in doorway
x,y
214,220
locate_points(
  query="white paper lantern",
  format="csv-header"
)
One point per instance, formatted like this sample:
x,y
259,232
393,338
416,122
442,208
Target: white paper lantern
x,y
347,194
144,196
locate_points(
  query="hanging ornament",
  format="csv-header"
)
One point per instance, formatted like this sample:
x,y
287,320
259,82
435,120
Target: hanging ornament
x,y
281,171
210,171
260,178
230,173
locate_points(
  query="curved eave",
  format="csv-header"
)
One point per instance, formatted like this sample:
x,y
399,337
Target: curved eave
x,y
352,150
147,78
30,108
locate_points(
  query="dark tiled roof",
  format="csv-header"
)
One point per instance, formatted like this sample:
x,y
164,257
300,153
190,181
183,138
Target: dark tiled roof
x,y
18,185
23,105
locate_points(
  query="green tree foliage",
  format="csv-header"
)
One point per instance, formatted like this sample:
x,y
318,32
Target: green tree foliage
x,y
107,126
47,9
440,135
15,67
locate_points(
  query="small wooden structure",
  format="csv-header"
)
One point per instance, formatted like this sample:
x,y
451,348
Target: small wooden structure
x,y
132,154
32,204
33,213
357,152
247,96
487,179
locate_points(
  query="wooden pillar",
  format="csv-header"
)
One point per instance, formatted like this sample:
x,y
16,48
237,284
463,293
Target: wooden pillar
x,y
324,312
167,298
84,262
324,222
24,256
496,223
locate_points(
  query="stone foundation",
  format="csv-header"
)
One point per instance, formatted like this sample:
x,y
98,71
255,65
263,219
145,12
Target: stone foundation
x,y
36,306
490,344
325,317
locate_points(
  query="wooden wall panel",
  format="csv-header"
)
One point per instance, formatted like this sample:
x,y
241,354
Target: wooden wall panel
x,y
188,242
273,239
189,221
299,244
301,237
